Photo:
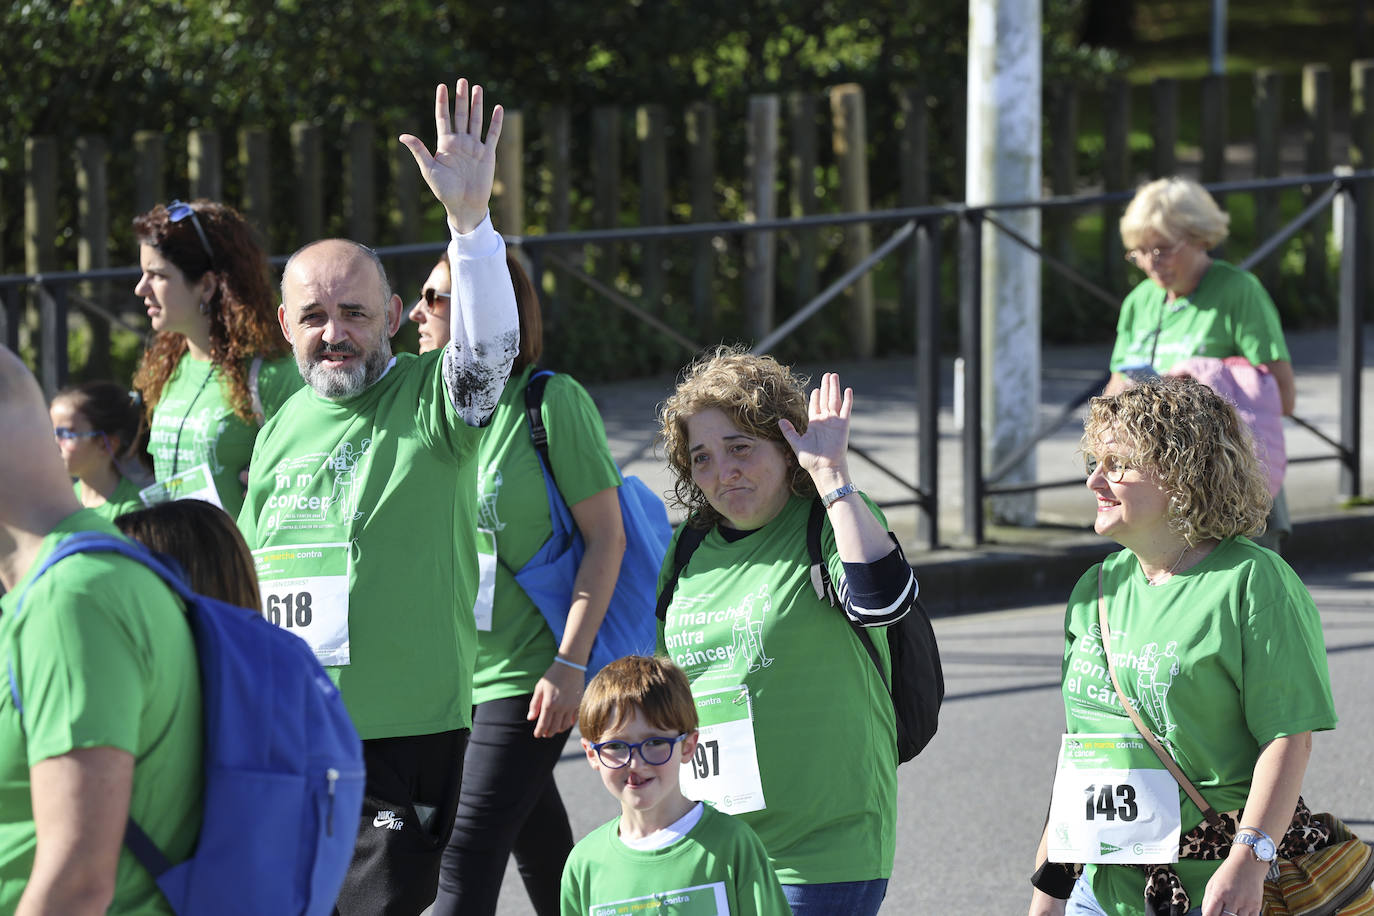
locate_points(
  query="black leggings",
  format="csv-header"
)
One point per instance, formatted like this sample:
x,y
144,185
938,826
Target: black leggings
x,y
509,803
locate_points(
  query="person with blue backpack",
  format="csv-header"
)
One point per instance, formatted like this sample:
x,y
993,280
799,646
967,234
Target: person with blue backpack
x,y
100,706
545,478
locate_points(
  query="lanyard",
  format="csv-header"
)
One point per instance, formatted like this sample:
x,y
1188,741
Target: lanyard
x,y
176,449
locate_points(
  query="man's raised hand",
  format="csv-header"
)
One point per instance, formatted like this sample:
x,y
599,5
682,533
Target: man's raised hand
x,y
463,168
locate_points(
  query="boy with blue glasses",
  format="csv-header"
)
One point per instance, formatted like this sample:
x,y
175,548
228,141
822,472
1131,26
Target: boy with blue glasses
x,y
639,726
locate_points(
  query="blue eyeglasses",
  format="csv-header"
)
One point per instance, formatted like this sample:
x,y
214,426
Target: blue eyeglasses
x,y
67,434
653,751
178,211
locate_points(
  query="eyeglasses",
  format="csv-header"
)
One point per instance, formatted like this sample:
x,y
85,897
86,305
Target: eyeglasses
x,y
432,295
1114,467
178,211
653,751
1138,256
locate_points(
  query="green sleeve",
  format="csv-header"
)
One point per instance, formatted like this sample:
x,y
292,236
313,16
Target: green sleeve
x,y
1258,331
278,379
82,685
757,890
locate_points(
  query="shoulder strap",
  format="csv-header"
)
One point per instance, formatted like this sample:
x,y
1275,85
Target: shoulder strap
x,y
534,414
1164,757
95,541
820,574
254,370
687,543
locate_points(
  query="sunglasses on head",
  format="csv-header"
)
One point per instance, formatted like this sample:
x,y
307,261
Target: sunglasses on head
x,y
178,211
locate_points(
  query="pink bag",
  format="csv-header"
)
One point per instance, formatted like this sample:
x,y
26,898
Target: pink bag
x,y
1255,395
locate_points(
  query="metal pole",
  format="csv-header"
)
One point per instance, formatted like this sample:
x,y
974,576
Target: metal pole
x,y
928,381
1218,66
52,316
971,349
1350,342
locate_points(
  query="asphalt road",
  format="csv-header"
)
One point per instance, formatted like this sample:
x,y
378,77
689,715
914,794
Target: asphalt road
x,y
972,805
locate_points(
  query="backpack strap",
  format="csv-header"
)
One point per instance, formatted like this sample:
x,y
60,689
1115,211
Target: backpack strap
x,y
534,414
825,589
687,543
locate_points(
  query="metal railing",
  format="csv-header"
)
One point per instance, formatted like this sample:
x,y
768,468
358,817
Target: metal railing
x,y
917,232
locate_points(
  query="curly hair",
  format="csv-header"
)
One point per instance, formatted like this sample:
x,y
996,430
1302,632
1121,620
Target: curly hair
x,y
755,392
1195,443
243,319
1179,209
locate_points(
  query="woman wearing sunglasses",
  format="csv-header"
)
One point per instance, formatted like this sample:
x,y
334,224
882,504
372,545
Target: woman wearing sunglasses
x,y
102,439
218,366
1193,305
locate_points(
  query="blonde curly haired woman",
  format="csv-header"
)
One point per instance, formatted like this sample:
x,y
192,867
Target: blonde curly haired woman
x,y
1216,644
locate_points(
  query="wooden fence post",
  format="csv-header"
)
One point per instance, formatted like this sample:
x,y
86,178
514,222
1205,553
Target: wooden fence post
x,y
93,242
803,155
913,169
307,150
1061,104
1362,147
606,185
1268,122
40,256
509,193
558,192
1164,103
150,162
362,182
701,176
849,138
761,205
1213,128
404,217
1316,103
255,156
1116,176
204,164
651,129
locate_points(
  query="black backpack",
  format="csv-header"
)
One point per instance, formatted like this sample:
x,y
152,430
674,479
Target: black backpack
x,y
918,682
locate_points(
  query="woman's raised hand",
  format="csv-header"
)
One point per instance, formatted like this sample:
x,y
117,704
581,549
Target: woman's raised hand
x,y
822,449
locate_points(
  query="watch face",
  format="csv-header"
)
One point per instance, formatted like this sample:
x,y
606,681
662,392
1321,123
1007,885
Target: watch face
x,y
1264,850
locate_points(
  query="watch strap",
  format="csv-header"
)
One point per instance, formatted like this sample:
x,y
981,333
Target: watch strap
x,y
840,493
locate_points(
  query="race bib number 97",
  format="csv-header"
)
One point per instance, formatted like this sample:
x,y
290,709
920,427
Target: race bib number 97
x,y
304,589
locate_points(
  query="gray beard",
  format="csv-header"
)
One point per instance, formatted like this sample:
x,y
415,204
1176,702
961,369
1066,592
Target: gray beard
x,y
337,384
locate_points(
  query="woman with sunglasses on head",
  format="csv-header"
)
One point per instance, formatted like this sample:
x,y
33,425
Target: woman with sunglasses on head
x,y
1214,642
1193,305
218,365
102,439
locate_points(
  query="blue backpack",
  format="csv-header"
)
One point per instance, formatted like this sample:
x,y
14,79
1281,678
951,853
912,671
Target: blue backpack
x,y
283,763
629,627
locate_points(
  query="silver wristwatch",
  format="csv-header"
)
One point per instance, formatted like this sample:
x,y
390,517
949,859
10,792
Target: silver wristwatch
x,y
1262,845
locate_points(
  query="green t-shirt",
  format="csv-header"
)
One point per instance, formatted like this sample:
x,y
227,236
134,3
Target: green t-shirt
x,y
193,423
1229,314
513,506
719,867
1222,658
745,613
377,474
101,656
124,499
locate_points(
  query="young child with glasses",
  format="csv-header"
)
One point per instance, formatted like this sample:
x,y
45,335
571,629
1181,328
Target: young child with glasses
x,y
639,727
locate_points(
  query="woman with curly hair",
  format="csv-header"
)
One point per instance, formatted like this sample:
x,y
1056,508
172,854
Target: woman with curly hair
x,y
1214,642
205,284
773,664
